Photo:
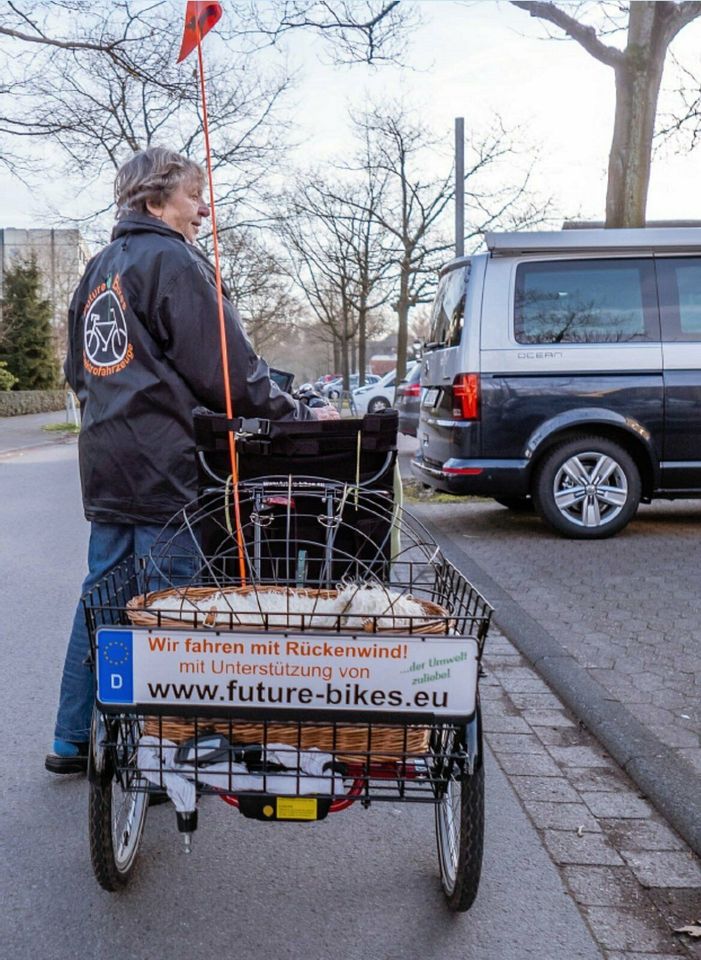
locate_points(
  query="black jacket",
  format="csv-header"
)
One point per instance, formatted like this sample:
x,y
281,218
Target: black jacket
x,y
143,352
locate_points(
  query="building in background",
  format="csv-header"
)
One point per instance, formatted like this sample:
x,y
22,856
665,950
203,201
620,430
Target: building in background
x,y
382,363
61,257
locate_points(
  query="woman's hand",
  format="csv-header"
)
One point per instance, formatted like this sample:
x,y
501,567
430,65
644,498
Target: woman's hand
x,y
329,412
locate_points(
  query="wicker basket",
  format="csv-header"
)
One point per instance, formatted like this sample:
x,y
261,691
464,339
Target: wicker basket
x,y
361,743
355,743
140,615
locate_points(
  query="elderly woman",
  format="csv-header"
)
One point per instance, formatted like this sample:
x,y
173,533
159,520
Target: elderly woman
x,y
143,351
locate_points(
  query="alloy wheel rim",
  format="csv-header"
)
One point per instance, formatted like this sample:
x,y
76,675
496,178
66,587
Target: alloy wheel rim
x,y
590,489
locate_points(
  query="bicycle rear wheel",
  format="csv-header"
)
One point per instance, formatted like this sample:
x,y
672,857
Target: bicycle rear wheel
x,y
460,835
117,808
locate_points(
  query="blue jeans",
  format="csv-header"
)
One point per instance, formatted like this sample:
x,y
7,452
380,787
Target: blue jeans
x,y
110,544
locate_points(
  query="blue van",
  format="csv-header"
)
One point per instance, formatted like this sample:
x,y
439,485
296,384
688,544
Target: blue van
x,y
563,370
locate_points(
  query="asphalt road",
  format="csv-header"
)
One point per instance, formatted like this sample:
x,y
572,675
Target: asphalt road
x,y
363,884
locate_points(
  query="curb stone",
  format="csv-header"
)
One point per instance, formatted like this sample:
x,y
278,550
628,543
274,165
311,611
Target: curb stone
x,y
670,784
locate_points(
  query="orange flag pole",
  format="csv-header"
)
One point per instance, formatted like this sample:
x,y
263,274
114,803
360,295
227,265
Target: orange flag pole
x,y
202,17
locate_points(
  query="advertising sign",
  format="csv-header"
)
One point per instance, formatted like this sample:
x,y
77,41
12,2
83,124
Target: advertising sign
x,y
364,672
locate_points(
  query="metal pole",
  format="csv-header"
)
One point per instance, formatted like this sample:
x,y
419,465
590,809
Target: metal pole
x,y
459,186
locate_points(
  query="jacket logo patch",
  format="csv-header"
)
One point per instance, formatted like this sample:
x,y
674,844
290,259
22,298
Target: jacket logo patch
x,y
106,347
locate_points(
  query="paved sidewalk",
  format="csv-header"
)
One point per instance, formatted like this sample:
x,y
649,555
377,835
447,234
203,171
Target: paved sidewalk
x,y
633,879
613,626
24,433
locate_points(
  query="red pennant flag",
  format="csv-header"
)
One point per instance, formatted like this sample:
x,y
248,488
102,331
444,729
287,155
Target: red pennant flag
x,y
200,17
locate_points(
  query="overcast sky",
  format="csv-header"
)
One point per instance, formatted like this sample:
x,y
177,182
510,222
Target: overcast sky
x,y
469,59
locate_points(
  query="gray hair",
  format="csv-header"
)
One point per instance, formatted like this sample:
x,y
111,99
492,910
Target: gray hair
x,y
152,175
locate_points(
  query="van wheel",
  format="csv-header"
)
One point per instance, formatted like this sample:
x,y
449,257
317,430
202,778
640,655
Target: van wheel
x,y
379,403
588,488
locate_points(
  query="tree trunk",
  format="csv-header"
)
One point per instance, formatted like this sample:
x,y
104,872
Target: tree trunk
x,y
362,345
637,88
336,355
344,349
344,364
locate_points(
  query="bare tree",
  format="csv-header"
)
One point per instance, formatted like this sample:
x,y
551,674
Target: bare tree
x,y
320,263
369,31
420,324
260,285
369,247
683,123
651,27
115,88
42,25
338,259
414,203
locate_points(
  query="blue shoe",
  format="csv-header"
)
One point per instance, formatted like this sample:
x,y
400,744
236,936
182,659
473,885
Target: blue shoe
x,y
67,757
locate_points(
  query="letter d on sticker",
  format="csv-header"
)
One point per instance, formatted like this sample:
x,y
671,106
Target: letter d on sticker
x,y
115,666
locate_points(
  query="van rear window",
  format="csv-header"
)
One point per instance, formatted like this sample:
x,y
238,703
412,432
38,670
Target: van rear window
x,y
449,308
585,301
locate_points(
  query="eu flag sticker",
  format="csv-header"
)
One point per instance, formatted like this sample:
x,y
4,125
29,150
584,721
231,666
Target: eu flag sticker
x,y
115,666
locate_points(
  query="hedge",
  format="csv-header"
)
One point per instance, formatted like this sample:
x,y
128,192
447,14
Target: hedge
x,y
13,403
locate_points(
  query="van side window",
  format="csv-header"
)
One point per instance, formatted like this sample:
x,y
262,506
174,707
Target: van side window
x,y
680,297
449,308
585,301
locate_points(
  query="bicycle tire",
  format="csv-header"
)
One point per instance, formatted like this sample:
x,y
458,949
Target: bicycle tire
x,y
116,820
460,837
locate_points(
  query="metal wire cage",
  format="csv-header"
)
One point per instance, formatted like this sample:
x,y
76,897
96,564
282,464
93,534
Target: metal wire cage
x,y
307,536
312,539
302,538
313,549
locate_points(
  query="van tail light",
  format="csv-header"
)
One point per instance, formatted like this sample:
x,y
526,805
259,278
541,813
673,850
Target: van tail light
x,y
466,396
463,471
413,390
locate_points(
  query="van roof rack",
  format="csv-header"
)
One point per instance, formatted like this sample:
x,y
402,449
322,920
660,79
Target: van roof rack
x,y
647,239
599,224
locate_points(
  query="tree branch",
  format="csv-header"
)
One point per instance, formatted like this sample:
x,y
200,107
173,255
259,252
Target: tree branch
x,y
585,36
358,31
338,24
63,44
682,15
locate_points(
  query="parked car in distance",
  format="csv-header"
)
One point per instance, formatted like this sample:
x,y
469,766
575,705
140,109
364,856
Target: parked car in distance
x,y
408,401
565,367
323,380
376,396
334,388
